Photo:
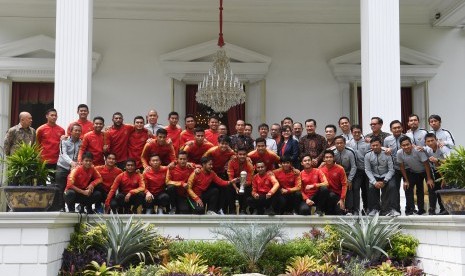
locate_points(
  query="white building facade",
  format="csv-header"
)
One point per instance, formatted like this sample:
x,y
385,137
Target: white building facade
x,y
303,59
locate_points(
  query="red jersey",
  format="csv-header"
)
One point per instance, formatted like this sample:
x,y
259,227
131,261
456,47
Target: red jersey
x,y
82,178
212,137
108,176
155,180
177,176
118,140
196,151
235,168
199,183
263,184
313,177
288,180
337,179
136,143
126,183
49,138
86,127
220,158
174,133
166,153
94,143
186,136
270,158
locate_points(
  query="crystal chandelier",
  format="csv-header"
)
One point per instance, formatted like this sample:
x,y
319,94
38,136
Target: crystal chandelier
x,y
220,89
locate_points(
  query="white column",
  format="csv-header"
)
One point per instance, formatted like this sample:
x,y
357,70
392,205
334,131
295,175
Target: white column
x,y
380,49
73,57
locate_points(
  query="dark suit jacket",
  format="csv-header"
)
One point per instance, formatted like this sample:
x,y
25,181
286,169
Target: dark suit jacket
x,y
291,150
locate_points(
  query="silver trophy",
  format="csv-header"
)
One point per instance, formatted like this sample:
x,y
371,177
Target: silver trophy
x,y
243,181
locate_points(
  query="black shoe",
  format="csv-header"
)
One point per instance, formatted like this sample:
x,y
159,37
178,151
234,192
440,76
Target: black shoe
x,y
431,212
172,211
443,213
409,213
421,212
255,212
269,212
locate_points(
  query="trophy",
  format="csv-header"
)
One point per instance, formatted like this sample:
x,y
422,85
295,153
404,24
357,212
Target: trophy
x,y
243,181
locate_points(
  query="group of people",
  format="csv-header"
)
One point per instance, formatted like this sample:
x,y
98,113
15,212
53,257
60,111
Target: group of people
x,y
146,167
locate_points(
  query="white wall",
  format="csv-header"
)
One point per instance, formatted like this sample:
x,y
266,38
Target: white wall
x,y
299,83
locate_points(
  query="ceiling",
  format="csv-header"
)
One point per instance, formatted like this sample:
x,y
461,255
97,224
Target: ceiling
x,y
247,11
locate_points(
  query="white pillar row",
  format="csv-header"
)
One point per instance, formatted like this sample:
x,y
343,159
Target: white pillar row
x,y
73,57
380,49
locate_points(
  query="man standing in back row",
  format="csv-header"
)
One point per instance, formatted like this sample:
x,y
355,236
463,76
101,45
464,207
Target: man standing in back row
x,y
312,144
22,132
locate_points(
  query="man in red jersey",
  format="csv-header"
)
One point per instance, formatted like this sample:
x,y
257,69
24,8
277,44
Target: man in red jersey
x,y
48,138
155,188
160,147
238,164
118,137
94,142
264,189
196,150
137,140
109,172
176,182
220,156
86,125
130,186
269,157
289,196
81,184
173,130
212,133
314,188
337,187
188,134
200,189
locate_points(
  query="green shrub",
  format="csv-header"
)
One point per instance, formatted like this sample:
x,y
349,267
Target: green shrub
x,y
218,253
86,236
189,264
141,270
277,255
330,241
403,247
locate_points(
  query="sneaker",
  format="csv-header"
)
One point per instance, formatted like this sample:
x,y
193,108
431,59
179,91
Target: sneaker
x,y
220,212
172,211
443,213
319,213
149,211
269,212
373,213
160,211
211,213
431,212
421,212
393,213
349,214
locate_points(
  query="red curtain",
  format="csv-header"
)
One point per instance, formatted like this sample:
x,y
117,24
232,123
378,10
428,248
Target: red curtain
x,y
191,103
406,105
235,113
27,94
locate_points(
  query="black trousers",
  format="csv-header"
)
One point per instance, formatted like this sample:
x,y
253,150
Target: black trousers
x,y
118,201
432,196
387,195
415,180
61,176
320,198
359,184
289,202
397,179
332,208
161,199
261,203
71,198
209,199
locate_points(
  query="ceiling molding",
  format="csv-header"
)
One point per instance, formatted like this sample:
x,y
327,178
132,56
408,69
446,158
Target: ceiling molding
x,y
15,66
452,15
415,66
190,64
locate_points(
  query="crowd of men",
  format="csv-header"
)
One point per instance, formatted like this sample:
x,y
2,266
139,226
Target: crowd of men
x,y
150,168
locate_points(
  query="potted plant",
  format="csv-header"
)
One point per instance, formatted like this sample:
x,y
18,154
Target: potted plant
x,y
26,175
452,170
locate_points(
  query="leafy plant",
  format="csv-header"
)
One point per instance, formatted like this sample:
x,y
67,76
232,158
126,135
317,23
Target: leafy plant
x,y
218,253
75,262
100,270
250,240
86,236
366,237
141,270
452,168
356,266
329,241
127,240
25,166
189,264
403,247
385,269
300,265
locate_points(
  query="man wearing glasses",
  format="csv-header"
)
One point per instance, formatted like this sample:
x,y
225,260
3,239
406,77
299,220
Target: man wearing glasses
x,y
376,124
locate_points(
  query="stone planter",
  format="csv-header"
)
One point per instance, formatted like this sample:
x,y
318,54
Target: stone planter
x,y
29,198
453,200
